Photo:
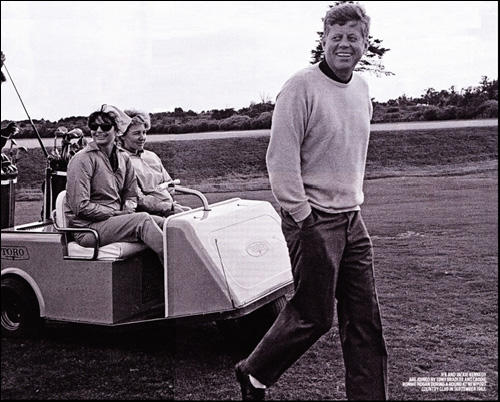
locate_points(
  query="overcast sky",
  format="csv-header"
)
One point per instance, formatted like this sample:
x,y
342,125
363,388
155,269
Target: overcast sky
x,y
67,58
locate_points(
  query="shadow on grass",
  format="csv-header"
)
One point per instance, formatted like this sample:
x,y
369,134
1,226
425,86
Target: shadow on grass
x,y
167,336
159,360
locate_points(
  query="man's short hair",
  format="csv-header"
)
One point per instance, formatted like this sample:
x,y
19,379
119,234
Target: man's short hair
x,y
344,12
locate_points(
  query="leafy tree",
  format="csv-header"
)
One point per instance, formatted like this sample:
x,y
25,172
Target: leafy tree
x,y
454,97
222,113
490,88
255,109
178,112
371,60
431,97
404,100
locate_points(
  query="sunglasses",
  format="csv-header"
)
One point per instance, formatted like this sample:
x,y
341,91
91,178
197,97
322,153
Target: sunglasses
x,y
104,126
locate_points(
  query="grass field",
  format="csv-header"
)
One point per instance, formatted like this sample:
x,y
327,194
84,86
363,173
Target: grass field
x,y
434,226
221,161
435,242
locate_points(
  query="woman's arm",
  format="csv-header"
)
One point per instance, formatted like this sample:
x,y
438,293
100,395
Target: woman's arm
x,y
78,190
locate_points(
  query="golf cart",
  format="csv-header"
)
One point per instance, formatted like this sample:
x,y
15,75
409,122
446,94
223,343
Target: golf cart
x,y
225,262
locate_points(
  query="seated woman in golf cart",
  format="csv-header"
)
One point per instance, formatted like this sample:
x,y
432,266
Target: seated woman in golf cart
x,y
153,190
101,191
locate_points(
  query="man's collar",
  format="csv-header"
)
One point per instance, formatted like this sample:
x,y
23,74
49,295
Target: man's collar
x,y
325,69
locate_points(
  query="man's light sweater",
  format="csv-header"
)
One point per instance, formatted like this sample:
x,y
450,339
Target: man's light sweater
x,y
319,140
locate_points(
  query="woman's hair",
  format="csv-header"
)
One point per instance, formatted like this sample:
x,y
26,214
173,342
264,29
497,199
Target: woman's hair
x,y
138,118
105,117
344,12
112,115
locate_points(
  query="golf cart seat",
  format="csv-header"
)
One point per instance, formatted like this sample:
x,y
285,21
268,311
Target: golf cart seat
x,y
109,252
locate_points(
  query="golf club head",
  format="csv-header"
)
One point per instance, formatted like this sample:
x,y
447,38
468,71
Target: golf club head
x,y
11,130
75,133
61,130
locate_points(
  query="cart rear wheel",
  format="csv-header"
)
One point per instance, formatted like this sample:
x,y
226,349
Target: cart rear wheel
x,y
20,311
261,320
245,332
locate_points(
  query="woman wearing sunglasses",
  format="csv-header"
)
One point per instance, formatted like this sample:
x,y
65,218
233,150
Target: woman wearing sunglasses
x,y
152,178
101,191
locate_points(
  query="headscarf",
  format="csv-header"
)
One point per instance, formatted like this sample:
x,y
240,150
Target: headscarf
x,y
139,119
121,119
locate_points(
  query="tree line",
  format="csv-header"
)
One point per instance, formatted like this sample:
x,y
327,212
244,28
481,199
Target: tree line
x,y
473,102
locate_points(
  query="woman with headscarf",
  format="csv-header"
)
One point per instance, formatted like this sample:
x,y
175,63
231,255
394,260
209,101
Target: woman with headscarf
x,y
152,178
101,191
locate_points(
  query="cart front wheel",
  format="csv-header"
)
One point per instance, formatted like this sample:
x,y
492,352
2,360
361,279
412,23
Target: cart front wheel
x,y
20,311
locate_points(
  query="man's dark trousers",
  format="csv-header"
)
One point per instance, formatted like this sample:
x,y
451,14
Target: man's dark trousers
x,y
331,257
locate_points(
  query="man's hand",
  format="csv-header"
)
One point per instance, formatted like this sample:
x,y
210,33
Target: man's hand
x,y
300,224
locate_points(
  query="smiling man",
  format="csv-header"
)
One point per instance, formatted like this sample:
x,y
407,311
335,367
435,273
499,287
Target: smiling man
x,y
316,163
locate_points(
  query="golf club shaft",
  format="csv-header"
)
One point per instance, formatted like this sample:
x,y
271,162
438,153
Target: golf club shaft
x,y
33,125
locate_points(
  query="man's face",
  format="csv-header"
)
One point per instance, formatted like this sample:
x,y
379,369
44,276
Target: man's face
x,y
343,47
135,139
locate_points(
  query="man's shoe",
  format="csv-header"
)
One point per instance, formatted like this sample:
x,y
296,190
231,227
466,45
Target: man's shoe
x,y
248,391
